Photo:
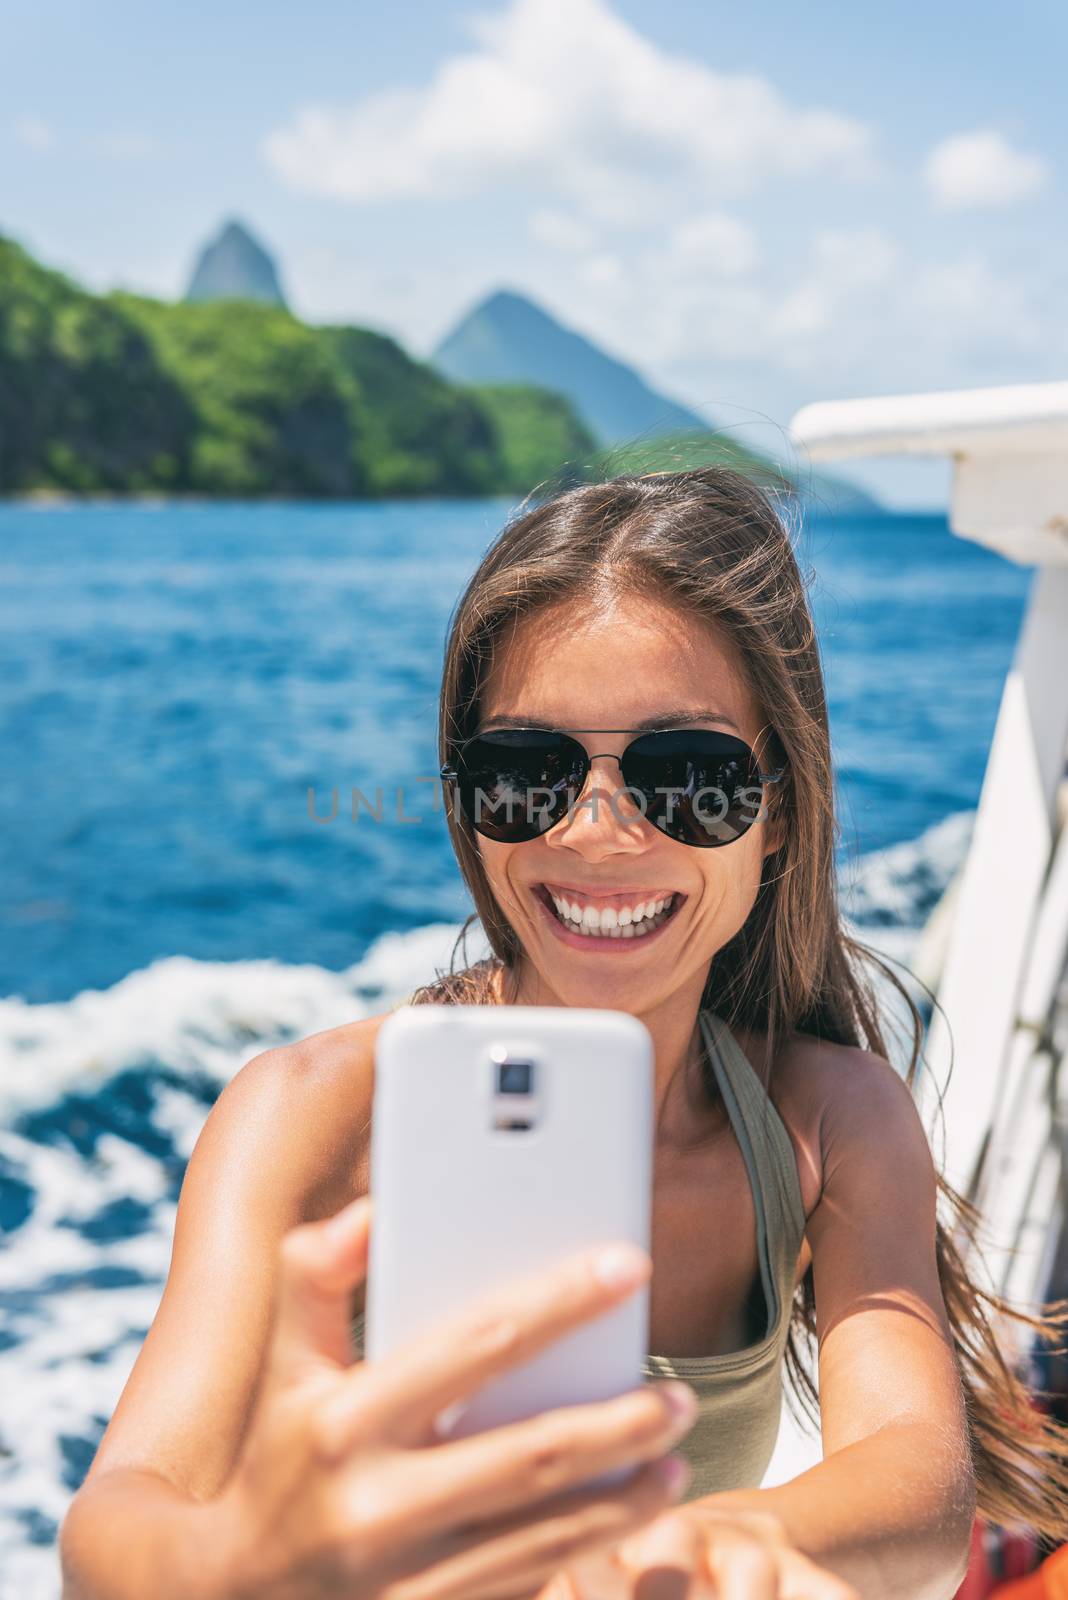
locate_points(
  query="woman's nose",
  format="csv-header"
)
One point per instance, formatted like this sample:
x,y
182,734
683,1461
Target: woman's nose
x,y
603,807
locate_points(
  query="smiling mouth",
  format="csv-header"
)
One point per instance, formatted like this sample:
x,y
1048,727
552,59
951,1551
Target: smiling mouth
x,y
624,917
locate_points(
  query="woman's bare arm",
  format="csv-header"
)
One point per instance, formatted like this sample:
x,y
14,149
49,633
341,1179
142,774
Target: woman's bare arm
x,y
177,1425
890,1508
133,1534
262,1153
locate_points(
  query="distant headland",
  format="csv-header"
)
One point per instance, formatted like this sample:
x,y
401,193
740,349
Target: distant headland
x,y
227,393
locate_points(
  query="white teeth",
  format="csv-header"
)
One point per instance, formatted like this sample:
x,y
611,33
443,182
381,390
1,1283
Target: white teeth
x,y
628,922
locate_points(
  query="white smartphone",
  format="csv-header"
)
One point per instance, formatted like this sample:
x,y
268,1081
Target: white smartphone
x,y
503,1139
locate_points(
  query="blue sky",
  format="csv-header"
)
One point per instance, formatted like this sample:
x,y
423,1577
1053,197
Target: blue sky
x,y
759,206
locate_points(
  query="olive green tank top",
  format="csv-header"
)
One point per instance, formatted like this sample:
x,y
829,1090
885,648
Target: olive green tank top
x,y
740,1391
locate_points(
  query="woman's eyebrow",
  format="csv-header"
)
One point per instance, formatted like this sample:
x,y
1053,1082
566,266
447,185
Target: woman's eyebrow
x,y
678,719
665,719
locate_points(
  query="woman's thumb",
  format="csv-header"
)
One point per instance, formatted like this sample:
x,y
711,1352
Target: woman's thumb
x,y
320,1264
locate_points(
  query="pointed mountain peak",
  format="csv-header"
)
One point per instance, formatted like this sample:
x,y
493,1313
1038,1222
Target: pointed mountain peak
x,y
508,309
235,265
509,338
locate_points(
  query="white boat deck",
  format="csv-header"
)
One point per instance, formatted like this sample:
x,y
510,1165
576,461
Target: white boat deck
x,y
996,948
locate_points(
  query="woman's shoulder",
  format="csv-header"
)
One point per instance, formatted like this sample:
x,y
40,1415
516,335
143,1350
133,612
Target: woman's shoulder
x,y
831,1096
810,1071
329,1059
323,1085
826,1078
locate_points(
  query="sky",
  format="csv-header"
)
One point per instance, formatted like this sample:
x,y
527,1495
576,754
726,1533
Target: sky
x,y
759,206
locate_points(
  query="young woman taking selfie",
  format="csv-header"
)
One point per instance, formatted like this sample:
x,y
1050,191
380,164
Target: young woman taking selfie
x,y
622,649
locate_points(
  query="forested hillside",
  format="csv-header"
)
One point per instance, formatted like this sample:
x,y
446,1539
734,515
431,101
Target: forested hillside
x,y
120,393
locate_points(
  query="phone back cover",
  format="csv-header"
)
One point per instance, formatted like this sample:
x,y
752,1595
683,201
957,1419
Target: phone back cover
x,y
460,1207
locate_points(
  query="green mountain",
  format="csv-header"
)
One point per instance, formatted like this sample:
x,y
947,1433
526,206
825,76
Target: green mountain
x,y
84,402
536,426
508,339
423,432
269,413
235,266
120,393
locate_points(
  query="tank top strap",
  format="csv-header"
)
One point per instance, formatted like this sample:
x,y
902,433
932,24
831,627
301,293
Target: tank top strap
x,y
766,1147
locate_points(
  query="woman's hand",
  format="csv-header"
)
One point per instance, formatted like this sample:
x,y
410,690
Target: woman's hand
x,y
696,1552
343,1486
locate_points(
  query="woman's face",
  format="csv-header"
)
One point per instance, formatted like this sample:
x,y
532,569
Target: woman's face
x,y
616,665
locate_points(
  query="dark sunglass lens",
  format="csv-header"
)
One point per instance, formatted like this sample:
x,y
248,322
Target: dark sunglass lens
x,y
516,783
699,787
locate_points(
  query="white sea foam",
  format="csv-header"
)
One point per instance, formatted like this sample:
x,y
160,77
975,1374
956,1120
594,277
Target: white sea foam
x,y
896,887
201,1015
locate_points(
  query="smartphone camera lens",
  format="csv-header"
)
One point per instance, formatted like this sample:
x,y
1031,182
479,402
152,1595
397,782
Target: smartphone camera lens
x,y
514,1077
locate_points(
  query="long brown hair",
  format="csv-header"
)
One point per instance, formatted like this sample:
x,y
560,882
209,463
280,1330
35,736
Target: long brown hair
x,y
712,543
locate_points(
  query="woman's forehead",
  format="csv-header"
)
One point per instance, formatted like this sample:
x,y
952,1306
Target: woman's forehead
x,y
625,618
614,666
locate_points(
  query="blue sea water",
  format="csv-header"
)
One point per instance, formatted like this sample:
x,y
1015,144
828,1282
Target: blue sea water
x,y
173,680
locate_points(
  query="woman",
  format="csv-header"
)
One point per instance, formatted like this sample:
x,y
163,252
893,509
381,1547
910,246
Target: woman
x,y
634,730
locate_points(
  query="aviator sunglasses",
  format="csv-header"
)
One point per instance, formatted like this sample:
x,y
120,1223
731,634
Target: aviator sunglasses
x,y
699,787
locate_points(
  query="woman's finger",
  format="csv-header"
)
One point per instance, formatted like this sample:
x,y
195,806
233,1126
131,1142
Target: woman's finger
x,y
400,1396
597,1575
320,1263
742,1567
506,1469
559,1587
519,1555
664,1561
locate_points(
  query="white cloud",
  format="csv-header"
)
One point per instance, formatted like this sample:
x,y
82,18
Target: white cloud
x,y
564,97
717,244
852,312
686,300
981,169
979,311
602,271
849,310
35,133
847,267
855,258
562,231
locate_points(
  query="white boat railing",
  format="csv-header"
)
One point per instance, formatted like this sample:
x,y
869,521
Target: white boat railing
x,y
1002,961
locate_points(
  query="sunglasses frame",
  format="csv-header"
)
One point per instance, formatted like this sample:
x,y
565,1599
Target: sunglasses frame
x,y
449,772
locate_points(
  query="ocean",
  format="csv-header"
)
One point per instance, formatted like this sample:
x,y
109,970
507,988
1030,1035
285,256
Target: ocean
x,y
174,679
